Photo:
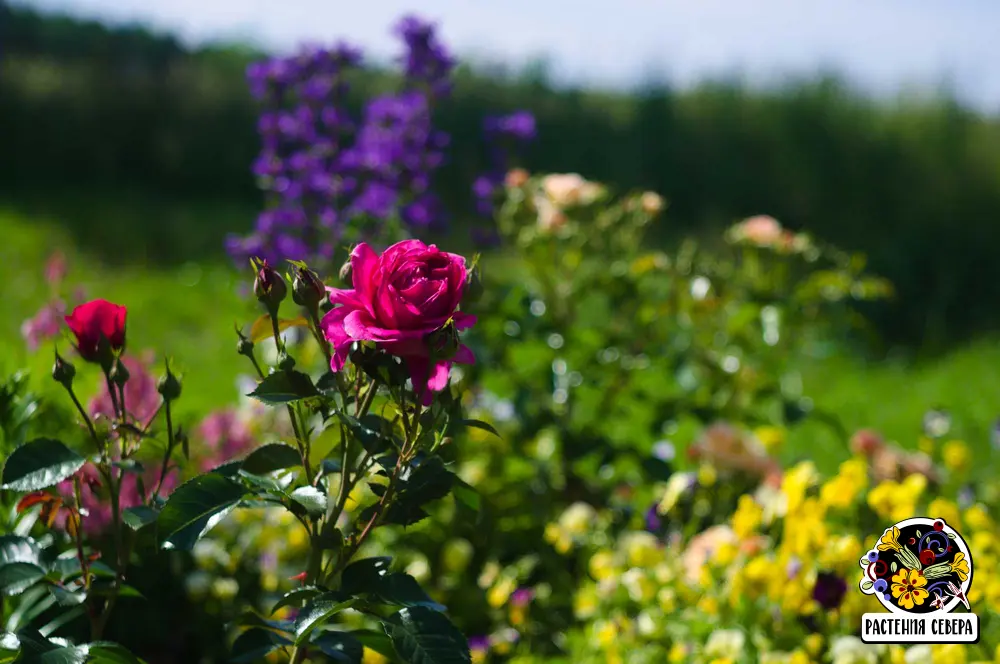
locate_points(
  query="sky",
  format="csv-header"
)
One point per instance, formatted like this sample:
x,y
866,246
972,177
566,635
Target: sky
x,y
884,46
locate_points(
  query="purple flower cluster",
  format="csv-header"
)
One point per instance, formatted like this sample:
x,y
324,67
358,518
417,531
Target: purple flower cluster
x,y
505,134
322,168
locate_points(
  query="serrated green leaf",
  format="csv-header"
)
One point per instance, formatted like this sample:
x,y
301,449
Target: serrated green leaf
x,y
317,611
255,644
39,464
370,431
363,575
339,646
296,596
377,641
138,517
17,549
311,498
271,457
15,578
423,636
283,387
67,597
194,507
401,589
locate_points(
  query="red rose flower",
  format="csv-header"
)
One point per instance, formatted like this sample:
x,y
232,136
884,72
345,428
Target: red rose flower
x,y
95,319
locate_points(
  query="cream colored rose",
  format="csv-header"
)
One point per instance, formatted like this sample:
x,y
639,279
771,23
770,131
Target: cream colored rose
x,y
566,189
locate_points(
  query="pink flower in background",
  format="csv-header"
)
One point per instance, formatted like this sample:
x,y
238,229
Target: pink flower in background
x,y
400,298
225,435
762,230
142,401
96,503
45,325
55,269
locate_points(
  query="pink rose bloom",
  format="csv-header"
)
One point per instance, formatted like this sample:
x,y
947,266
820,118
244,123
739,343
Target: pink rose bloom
x,y
225,435
45,325
398,300
142,400
96,502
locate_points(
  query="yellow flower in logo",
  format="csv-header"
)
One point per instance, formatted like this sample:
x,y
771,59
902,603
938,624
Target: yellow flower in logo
x,y
890,540
908,588
960,566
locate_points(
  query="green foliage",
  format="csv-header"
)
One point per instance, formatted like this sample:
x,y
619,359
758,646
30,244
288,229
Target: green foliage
x,y
39,464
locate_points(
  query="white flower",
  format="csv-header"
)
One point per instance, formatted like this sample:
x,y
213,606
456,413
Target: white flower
x,y
725,644
578,518
565,189
852,650
921,654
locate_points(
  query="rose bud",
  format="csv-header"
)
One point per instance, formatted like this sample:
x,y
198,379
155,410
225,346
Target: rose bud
x,y
345,272
516,178
99,328
307,289
63,372
168,386
473,286
286,362
444,343
244,346
269,287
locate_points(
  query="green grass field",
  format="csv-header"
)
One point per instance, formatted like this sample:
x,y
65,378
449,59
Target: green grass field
x,y
187,311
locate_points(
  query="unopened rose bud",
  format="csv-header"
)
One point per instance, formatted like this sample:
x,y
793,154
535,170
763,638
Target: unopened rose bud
x,y
63,372
651,203
307,289
345,272
244,346
168,386
473,286
286,362
269,287
182,439
444,343
119,373
516,178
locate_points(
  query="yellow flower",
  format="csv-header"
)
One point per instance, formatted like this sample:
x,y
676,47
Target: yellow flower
x,y
978,518
725,554
799,657
960,566
908,588
747,517
796,482
707,475
956,455
940,508
643,549
897,500
708,605
843,488
725,644
677,486
501,592
771,438
814,644
667,599
605,633
805,530
372,657
578,518
679,653
953,653
602,565
585,602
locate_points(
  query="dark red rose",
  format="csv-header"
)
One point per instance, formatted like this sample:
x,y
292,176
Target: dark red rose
x,y
95,319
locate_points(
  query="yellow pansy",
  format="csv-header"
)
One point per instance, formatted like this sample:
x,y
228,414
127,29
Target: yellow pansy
x,y
843,488
605,633
897,501
796,482
747,517
708,605
956,455
814,644
679,653
642,548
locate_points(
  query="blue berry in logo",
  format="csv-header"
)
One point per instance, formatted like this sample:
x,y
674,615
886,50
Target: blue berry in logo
x,y
881,586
